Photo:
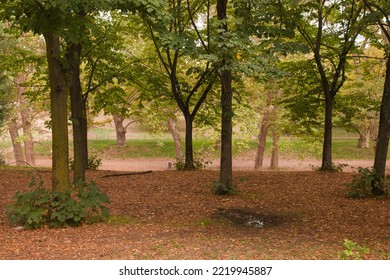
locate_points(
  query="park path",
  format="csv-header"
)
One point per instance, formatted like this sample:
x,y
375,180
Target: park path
x,y
158,164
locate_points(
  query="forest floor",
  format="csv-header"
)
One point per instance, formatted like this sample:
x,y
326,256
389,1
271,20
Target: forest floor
x,y
174,215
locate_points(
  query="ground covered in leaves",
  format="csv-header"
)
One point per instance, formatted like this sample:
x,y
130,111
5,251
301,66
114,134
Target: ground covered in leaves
x,y
174,215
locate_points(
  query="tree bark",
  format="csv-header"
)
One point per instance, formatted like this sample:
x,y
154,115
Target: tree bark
x,y
327,163
275,150
59,114
78,110
364,140
176,139
226,166
17,145
382,143
189,151
26,120
262,137
120,130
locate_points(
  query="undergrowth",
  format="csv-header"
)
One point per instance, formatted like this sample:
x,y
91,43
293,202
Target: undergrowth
x,y
41,207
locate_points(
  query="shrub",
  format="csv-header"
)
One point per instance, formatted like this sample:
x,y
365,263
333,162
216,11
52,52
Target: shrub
x,y
362,183
221,189
199,164
40,206
93,163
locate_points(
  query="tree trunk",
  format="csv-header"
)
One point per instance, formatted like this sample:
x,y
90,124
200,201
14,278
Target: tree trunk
x,y
327,145
78,111
176,139
26,121
17,146
226,172
120,130
226,166
189,151
59,114
262,137
275,150
364,140
382,143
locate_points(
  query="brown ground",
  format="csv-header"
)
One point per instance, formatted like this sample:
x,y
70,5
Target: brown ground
x,y
174,215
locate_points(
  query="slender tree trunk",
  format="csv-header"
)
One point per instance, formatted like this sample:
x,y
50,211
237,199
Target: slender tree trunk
x,y
382,143
261,141
176,139
275,150
189,151
26,121
327,145
17,146
262,137
120,130
364,140
59,114
78,109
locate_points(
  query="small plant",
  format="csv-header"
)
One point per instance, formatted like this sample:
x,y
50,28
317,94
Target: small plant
x,y
331,167
40,206
352,251
221,189
198,164
362,183
93,163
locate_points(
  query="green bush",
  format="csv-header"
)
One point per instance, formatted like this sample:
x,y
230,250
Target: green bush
x,y
362,183
221,189
40,206
93,163
199,164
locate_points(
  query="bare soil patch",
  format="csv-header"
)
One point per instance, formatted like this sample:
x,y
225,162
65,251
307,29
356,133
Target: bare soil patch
x,y
174,215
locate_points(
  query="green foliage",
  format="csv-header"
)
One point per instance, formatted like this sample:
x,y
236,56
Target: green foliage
x,y
221,189
93,162
362,183
333,167
199,163
353,251
41,207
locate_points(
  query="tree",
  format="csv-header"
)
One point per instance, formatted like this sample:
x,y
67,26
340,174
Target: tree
x,y
380,13
226,78
330,29
175,36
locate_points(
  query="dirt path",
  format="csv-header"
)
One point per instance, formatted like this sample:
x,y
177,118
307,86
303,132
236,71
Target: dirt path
x,y
238,164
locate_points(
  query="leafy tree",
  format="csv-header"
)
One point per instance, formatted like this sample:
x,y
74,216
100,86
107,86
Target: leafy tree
x,y
380,15
176,35
330,29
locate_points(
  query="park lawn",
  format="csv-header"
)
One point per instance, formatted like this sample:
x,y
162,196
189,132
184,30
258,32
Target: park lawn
x,y
174,215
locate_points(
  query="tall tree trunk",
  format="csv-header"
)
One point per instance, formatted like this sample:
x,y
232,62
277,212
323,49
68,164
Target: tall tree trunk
x,y
78,111
120,130
176,139
226,165
327,145
275,150
382,143
17,145
59,114
189,148
26,121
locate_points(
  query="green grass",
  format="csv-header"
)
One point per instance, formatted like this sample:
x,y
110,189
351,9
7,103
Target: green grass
x,y
344,147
